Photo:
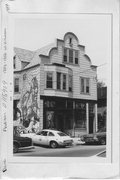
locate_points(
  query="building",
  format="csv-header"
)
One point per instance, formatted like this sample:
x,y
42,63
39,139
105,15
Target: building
x,y
102,106
56,87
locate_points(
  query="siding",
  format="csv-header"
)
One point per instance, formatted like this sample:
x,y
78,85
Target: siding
x,y
82,70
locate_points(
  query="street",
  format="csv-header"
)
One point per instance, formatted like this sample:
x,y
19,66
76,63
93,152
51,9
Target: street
x,y
74,151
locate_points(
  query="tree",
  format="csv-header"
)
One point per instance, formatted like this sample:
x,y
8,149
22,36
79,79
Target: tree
x,y
100,84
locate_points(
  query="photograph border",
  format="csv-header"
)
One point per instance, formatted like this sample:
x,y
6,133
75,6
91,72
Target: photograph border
x,y
10,91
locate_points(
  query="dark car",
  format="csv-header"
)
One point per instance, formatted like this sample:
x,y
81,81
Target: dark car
x,y
99,137
20,142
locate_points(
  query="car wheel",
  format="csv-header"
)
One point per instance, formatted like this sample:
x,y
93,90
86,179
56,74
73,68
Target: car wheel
x,y
102,141
15,148
53,144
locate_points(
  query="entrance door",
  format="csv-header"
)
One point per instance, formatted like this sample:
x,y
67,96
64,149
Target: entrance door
x,y
91,119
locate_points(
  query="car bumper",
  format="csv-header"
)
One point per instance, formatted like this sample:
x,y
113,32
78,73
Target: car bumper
x,y
65,143
26,148
91,140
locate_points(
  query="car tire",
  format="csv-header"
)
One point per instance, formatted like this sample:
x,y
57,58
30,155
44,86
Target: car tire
x,y
53,144
15,148
102,141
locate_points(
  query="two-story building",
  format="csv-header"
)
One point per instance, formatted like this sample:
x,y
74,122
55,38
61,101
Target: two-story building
x,y
56,85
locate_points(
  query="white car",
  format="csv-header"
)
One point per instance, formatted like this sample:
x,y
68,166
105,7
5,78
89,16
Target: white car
x,y
52,138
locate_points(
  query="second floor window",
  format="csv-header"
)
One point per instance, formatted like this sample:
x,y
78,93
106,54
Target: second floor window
x,y
64,81
85,85
49,80
58,80
70,83
16,85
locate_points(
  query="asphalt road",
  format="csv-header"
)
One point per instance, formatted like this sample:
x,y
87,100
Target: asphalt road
x,y
74,151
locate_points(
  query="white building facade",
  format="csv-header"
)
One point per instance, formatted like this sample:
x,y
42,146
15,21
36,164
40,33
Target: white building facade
x,y
56,86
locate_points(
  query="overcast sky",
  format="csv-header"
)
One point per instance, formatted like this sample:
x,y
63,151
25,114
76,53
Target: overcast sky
x,y
93,31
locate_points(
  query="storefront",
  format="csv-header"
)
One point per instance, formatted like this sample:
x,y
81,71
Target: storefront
x,y
69,115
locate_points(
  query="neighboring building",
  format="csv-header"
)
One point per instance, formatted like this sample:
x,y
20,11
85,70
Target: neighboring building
x,y
102,106
56,85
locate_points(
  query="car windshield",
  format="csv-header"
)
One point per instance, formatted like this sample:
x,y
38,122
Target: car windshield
x,y
61,134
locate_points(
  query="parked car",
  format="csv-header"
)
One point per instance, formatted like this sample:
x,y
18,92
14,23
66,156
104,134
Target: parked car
x,y
51,138
98,137
20,142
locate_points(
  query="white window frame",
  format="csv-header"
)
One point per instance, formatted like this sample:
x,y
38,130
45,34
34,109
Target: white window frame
x,y
85,83
46,80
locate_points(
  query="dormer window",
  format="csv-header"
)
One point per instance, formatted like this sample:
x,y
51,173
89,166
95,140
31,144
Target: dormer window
x,y
70,41
70,56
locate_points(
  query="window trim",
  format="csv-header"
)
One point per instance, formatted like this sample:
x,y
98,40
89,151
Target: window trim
x,y
63,74
57,81
85,80
46,80
68,62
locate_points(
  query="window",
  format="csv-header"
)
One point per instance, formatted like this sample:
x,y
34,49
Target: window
x,y
62,134
64,81
51,134
43,133
49,80
58,80
70,83
80,115
85,85
76,57
70,56
65,55
82,85
16,85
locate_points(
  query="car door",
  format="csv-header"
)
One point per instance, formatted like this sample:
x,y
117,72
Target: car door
x,y
44,138
41,138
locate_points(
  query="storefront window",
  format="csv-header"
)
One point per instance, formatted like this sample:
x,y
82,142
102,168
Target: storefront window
x,y
69,104
50,119
80,115
50,104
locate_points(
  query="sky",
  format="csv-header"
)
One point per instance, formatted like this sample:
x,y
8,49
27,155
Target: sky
x,y
93,31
